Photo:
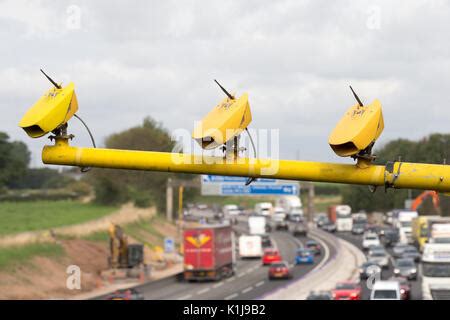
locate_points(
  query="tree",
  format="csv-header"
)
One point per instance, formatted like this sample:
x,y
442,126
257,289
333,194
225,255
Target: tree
x,y
14,159
432,149
142,187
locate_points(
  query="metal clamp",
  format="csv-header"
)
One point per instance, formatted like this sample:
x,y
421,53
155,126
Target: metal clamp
x,y
388,172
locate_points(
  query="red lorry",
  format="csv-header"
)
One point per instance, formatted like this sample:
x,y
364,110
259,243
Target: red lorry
x,y
332,213
208,252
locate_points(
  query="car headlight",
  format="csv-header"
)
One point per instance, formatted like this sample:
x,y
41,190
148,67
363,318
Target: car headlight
x,y
413,270
396,270
402,291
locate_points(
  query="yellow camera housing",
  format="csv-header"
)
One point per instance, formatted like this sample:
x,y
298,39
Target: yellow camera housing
x,y
226,121
51,111
357,130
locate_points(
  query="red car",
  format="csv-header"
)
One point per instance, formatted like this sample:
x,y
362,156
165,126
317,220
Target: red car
x,y
279,270
405,288
271,255
347,291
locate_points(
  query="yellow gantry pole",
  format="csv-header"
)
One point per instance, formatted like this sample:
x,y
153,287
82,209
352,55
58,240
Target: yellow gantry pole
x,y
396,174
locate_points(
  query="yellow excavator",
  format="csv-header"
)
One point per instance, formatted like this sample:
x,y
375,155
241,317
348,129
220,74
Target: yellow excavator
x,y
123,255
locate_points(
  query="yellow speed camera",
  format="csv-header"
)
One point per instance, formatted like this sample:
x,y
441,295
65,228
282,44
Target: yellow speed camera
x,y
357,131
51,111
226,121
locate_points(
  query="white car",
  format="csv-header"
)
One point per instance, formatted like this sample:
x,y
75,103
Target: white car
x,y
370,239
385,290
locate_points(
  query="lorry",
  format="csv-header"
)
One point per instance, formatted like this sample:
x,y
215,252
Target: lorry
x,y
436,271
420,230
208,252
250,246
341,215
403,222
290,204
263,208
278,219
257,224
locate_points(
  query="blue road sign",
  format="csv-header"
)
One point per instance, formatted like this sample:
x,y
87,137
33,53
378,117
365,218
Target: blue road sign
x,y
169,245
276,189
206,178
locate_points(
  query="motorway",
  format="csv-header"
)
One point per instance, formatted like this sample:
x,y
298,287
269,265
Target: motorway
x,y
250,280
416,291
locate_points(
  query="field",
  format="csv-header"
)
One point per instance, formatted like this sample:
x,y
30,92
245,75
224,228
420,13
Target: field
x,y
18,217
11,256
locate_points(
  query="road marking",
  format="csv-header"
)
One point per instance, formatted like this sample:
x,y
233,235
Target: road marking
x,y
185,297
247,289
230,279
259,284
249,271
203,290
231,296
218,285
240,275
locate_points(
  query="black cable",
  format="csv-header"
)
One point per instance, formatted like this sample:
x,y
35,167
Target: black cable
x,y
251,140
86,169
251,179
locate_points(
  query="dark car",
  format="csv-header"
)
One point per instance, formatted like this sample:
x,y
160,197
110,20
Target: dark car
x,y
329,226
412,253
321,220
358,228
398,249
405,287
320,295
391,237
266,242
368,269
125,294
405,267
313,246
300,230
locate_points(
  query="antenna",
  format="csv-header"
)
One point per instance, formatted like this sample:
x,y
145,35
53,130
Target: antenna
x,y
51,80
223,89
356,97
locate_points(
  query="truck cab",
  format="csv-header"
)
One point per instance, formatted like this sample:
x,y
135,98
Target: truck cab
x,y
436,271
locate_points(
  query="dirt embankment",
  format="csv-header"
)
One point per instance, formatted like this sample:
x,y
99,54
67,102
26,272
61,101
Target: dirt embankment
x,y
125,215
45,277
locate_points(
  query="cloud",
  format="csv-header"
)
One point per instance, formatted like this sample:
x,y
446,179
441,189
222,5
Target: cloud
x,y
294,58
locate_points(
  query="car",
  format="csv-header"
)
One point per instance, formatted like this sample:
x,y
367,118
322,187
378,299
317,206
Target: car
x,y
379,257
125,294
319,295
370,239
321,220
412,253
300,230
398,249
271,255
329,226
314,246
358,228
405,267
375,248
347,290
304,256
266,242
391,237
405,287
385,290
295,217
279,270
368,268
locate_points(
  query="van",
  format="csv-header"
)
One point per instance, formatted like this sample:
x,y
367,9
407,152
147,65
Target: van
x,y
385,290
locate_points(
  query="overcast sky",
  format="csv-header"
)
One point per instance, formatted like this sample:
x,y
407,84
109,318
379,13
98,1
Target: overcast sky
x,y
132,59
